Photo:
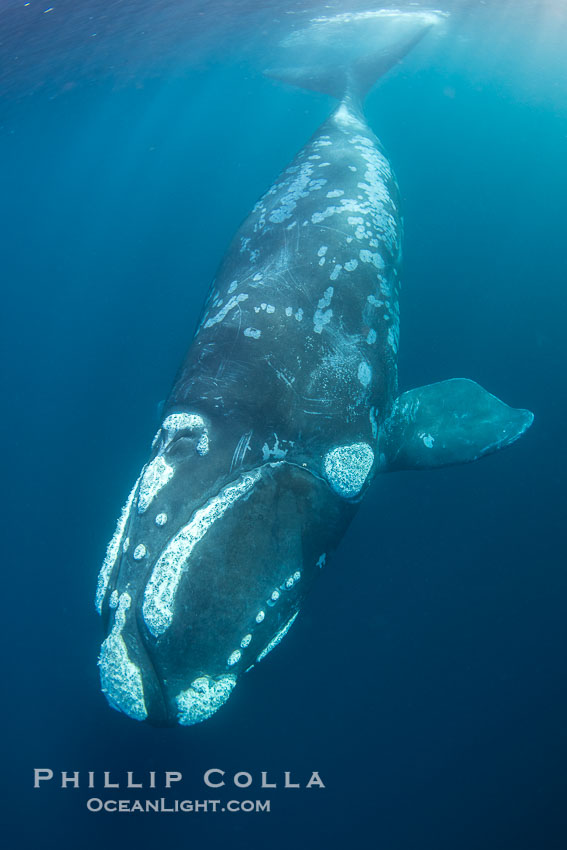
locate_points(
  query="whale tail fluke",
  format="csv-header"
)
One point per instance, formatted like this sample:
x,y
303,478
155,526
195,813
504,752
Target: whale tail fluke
x,y
455,421
345,55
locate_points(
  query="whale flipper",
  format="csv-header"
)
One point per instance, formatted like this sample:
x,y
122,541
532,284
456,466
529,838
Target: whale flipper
x,y
454,421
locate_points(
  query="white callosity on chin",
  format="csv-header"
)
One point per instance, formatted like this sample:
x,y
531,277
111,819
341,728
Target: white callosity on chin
x,y
112,551
203,698
278,637
347,467
121,680
155,476
160,590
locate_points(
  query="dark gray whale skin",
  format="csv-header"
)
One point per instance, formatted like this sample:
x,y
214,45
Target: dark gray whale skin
x,y
284,410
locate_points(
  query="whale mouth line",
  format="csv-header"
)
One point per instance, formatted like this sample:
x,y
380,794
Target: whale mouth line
x,y
149,670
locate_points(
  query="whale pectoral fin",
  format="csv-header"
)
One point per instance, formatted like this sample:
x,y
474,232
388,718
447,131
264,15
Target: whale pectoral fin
x,y
455,421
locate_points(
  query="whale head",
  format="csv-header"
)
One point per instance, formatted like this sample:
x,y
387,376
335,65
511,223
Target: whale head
x,y
206,571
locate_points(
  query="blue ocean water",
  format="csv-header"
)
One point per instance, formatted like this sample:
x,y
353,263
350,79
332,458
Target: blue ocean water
x,y
425,678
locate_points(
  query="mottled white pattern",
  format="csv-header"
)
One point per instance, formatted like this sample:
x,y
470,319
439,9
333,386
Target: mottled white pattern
x,y
121,680
181,422
155,476
293,579
323,316
253,333
230,305
276,452
347,467
297,188
203,698
393,340
112,551
202,447
371,257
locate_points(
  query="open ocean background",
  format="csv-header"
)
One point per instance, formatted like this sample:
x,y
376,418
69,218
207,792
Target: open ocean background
x,y
425,678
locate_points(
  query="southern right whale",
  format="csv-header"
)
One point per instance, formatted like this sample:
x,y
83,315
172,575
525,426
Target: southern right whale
x,y
285,409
